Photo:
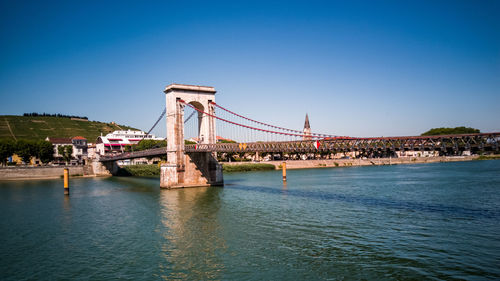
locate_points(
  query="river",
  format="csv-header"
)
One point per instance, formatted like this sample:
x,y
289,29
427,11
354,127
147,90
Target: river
x,y
422,221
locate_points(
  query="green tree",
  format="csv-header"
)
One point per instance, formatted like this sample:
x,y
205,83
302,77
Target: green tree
x,y
7,148
26,149
226,141
60,150
45,151
147,144
451,131
65,151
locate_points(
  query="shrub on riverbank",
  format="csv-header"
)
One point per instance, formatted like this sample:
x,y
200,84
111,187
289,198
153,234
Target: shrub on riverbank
x,y
488,157
247,167
154,170
139,171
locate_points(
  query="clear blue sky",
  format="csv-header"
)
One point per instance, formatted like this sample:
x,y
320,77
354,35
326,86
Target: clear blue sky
x,y
359,68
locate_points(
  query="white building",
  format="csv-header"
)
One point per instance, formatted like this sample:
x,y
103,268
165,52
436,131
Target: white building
x,y
118,140
79,145
416,153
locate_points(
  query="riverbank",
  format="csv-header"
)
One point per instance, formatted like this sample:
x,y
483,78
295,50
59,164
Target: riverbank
x,y
139,171
50,172
154,170
43,172
488,157
247,167
324,163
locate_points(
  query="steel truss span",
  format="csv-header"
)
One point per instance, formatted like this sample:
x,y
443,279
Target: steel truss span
x,y
488,141
448,143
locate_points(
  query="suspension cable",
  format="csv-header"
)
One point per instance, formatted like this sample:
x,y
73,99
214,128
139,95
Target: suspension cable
x,y
272,126
156,123
246,126
189,117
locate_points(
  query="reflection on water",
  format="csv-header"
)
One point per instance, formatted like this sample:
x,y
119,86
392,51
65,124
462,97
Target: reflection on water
x,y
191,233
66,204
66,215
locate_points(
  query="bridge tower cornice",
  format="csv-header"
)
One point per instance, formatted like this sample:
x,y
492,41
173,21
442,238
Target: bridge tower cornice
x,y
189,88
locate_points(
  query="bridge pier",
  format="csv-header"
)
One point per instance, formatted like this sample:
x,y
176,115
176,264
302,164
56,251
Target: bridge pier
x,y
200,169
105,168
189,169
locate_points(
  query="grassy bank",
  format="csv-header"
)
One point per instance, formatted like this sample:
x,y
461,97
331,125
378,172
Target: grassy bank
x,y
247,167
154,170
488,157
139,171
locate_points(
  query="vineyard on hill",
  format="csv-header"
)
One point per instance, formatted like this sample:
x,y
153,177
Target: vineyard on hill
x,y
39,127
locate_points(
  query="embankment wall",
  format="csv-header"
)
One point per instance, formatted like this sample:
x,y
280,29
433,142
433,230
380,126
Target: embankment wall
x,y
42,172
304,164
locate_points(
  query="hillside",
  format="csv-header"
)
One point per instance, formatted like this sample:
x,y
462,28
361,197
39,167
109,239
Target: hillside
x,y
36,128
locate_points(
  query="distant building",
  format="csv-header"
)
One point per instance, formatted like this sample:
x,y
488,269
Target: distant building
x,y
79,149
414,153
116,141
91,151
16,159
79,145
221,139
57,142
307,129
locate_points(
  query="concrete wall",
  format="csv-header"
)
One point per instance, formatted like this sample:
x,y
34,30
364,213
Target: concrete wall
x,y
42,172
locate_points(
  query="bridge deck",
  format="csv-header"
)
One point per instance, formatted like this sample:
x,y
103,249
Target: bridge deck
x,y
483,141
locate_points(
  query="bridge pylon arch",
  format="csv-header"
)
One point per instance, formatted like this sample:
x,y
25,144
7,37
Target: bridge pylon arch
x,y
192,169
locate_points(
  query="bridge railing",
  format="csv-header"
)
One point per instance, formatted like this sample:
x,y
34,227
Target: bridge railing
x,y
442,143
484,141
135,154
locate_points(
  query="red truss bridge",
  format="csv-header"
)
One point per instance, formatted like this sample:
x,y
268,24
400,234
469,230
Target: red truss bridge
x,y
243,134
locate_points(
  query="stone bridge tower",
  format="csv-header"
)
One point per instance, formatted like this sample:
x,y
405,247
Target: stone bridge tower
x,y
193,169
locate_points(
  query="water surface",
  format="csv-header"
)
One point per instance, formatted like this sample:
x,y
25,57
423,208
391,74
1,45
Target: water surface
x,y
423,221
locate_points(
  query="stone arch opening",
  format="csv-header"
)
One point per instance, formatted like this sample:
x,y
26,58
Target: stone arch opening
x,y
197,104
194,122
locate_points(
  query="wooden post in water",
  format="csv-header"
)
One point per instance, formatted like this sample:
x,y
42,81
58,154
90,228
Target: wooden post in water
x,y
284,170
66,181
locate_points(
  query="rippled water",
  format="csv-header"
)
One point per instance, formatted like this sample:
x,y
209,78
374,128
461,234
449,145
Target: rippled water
x,y
428,221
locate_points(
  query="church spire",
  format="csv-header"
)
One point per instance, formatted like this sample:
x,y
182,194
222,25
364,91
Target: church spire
x,y
307,129
306,124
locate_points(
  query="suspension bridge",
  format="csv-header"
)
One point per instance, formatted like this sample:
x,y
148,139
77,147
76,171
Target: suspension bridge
x,y
195,164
